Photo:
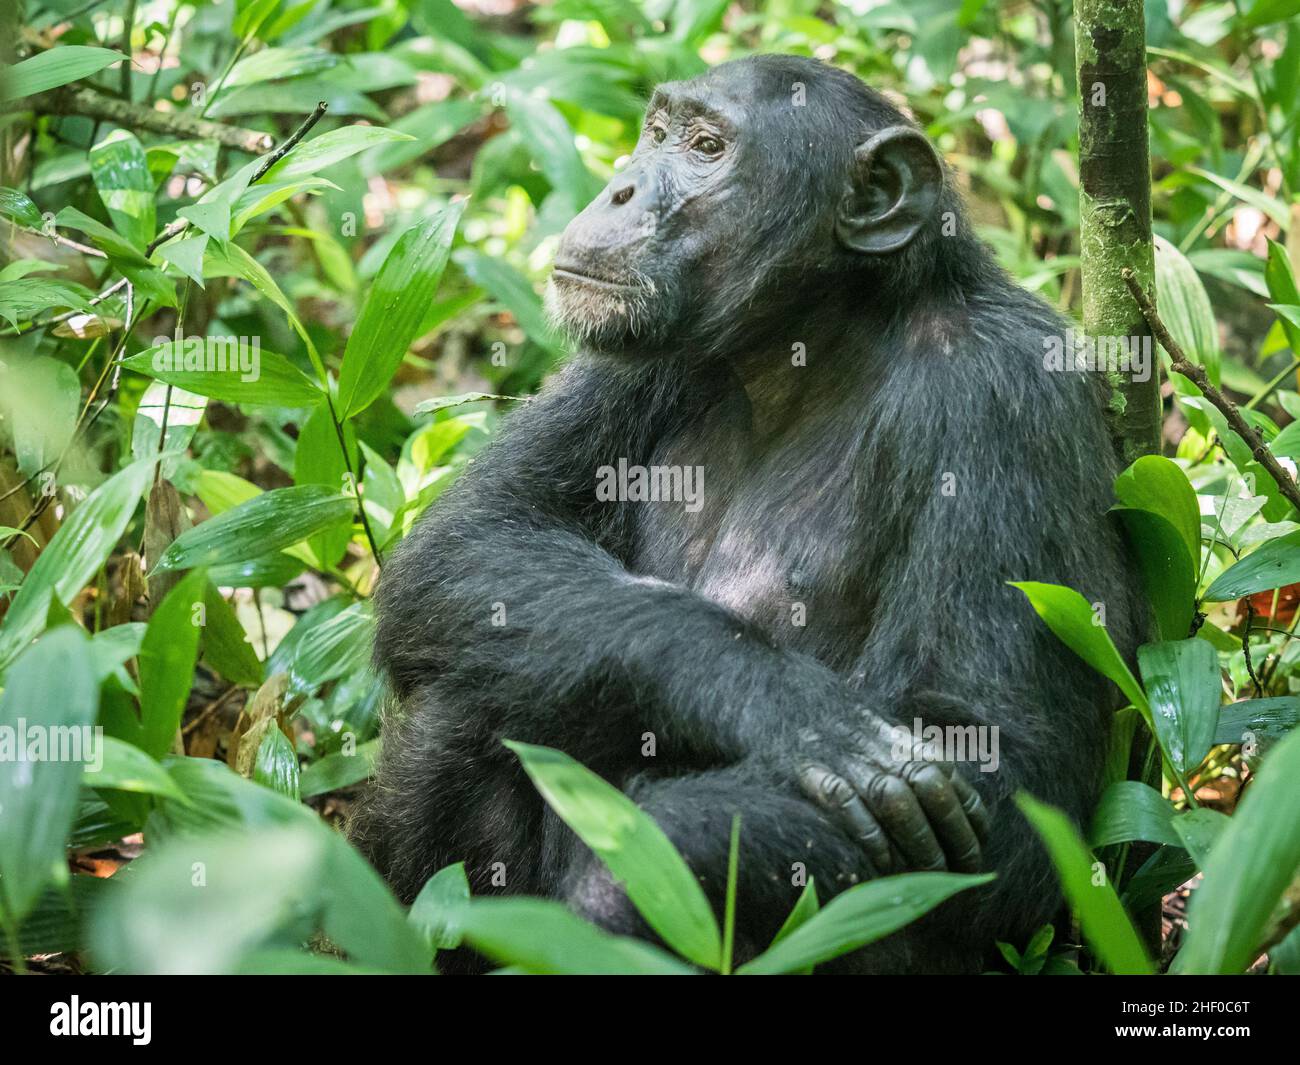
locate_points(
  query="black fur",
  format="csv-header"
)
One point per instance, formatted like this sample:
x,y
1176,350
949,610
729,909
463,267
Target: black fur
x,y
823,486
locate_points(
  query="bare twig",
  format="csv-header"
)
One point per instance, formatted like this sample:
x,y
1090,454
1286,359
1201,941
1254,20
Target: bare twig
x,y
91,104
291,143
1180,363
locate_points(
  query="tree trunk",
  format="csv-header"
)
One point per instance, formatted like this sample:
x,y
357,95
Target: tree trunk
x,y
1115,206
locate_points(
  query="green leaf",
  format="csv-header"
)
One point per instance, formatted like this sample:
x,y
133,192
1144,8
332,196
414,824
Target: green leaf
x,y
127,768
339,770
1105,925
328,149
1271,565
318,459
1182,682
167,657
73,556
51,697
1068,615
60,65
1168,574
226,647
550,142
276,764
861,915
627,840
18,207
206,903
1198,831
337,647
1260,722
1254,861
1131,810
121,175
263,524
1159,485
435,909
1185,309
540,936
393,309
431,406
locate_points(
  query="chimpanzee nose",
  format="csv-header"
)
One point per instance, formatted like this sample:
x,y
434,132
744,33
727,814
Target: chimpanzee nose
x,y
621,196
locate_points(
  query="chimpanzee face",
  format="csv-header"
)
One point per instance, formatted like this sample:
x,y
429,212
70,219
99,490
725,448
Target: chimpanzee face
x,y
628,264
745,187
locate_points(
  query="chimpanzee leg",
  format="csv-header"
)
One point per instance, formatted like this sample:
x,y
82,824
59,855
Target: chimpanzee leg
x,y
784,840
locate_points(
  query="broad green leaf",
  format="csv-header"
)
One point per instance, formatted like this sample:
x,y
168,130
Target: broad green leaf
x,y
394,308
276,764
513,291
541,936
1199,830
1168,573
436,908
627,840
1271,565
246,889
318,459
430,406
60,65
550,141
265,523
272,63
1258,723
1185,309
167,657
73,556
121,175
1158,485
1264,12
18,207
861,915
1131,810
1254,861
226,647
338,646
1280,279
1087,887
1182,683
50,699
339,770
1068,615
127,768
329,148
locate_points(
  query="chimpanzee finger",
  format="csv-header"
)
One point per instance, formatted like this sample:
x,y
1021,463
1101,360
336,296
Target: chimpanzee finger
x,y
835,795
900,813
948,819
976,812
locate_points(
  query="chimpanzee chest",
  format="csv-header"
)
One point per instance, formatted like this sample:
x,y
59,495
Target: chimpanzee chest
x,y
773,537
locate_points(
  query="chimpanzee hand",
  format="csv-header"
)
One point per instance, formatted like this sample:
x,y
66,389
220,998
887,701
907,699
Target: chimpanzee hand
x,y
906,812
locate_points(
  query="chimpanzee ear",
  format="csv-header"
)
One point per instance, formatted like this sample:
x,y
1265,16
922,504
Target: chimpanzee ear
x,y
894,190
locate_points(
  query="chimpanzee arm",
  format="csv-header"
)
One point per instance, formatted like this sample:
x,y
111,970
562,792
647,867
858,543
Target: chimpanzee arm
x,y
513,591
1010,480
513,586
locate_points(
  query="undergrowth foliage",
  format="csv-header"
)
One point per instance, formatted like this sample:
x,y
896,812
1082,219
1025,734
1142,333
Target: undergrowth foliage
x,y
268,276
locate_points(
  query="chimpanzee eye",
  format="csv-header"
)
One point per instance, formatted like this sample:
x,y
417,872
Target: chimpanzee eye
x,y
707,145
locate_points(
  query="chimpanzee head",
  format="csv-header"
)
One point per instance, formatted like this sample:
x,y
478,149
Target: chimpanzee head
x,y
752,189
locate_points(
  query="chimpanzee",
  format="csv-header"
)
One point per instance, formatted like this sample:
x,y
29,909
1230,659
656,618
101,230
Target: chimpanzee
x,y
768,514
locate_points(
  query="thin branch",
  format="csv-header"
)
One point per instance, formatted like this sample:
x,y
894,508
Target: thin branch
x,y
1180,363
91,104
291,143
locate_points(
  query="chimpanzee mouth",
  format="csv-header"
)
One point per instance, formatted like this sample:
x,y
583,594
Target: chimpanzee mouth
x,y
582,277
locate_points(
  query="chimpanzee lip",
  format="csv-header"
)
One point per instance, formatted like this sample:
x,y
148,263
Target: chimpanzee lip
x,y
569,273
